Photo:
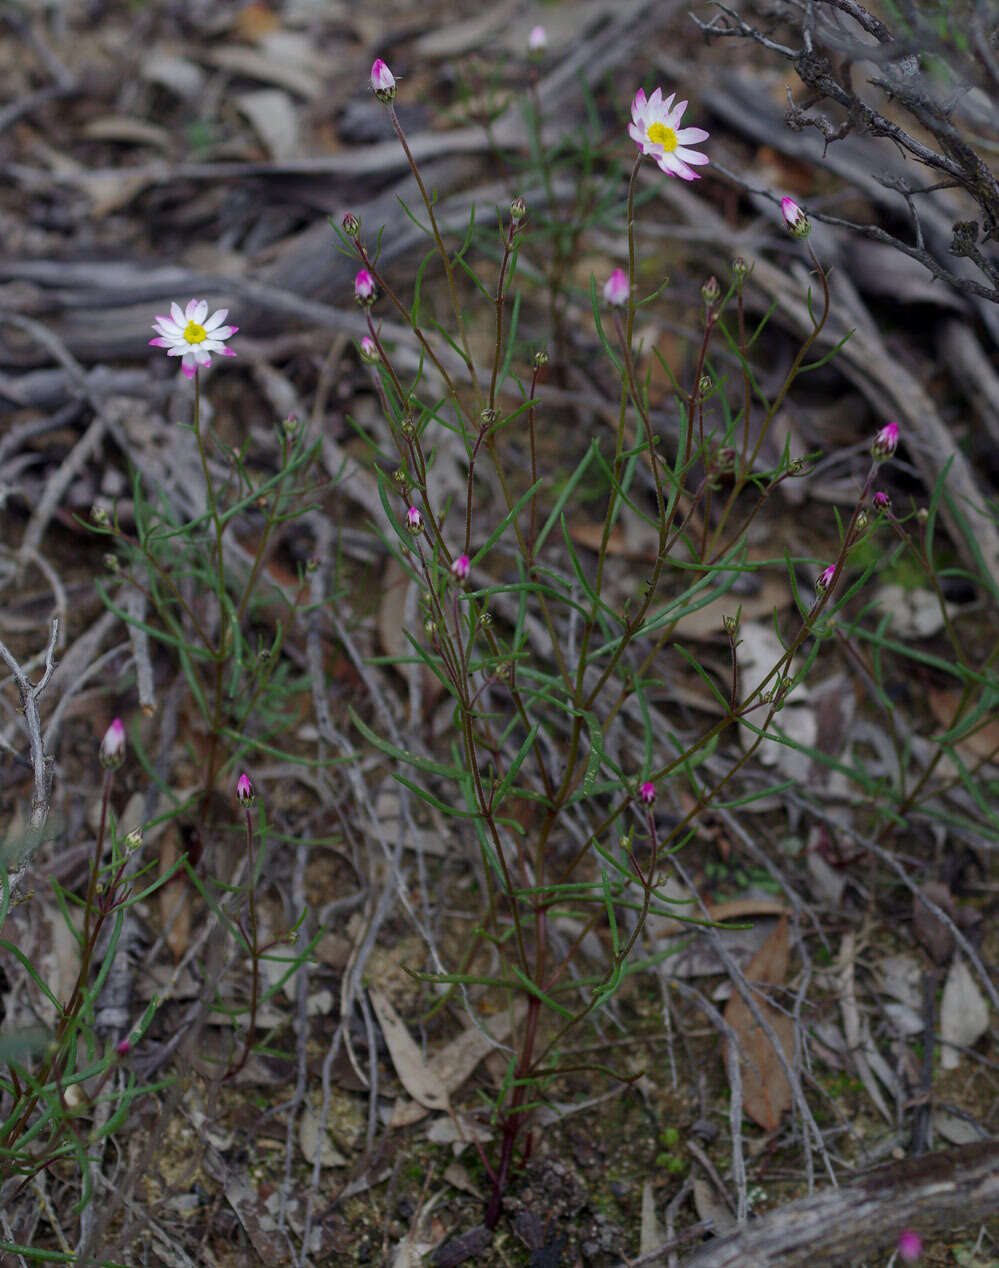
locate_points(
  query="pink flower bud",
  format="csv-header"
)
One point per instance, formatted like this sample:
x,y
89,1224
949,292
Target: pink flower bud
x,y
382,81
885,442
825,579
647,792
351,224
461,567
245,794
616,288
112,751
537,41
881,501
910,1246
369,350
794,218
123,1047
414,520
364,288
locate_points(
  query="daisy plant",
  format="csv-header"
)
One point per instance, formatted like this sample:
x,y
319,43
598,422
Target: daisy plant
x,y
229,680
557,768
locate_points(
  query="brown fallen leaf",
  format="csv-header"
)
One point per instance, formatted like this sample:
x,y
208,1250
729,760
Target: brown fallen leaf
x,y
416,1077
766,1092
936,937
980,744
174,899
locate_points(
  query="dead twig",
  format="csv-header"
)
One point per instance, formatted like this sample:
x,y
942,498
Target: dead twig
x,y
41,763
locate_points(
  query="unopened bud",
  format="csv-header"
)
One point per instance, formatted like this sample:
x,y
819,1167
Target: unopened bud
x,y
486,418
740,268
922,515
731,624
704,385
794,218
518,210
881,501
430,629
112,750
364,288
99,515
541,358
485,619
711,291
289,425
724,459
111,563
312,564
647,792
351,225
616,289
382,82
133,840
885,442
825,579
414,520
245,793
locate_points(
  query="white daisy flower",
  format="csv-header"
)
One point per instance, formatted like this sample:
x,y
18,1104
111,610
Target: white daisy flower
x,y
655,128
192,335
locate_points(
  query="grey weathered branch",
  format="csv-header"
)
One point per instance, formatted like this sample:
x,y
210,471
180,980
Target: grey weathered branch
x,y
837,1227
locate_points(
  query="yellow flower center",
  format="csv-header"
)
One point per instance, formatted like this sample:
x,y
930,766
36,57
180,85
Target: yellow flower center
x,y
664,136
194,333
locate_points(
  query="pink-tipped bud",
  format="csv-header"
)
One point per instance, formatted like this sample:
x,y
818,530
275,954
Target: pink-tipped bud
x,y
382,81
461,567
123,1047
910,1246
351,225
881,501
369,350
885,442
112,751
245,794
414,520
825,579
537,41
616,288
364,288
647,792
794,218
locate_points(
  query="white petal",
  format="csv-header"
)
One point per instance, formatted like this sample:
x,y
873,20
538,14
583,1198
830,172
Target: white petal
x,y
219,316
690,156
177,313
691,136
